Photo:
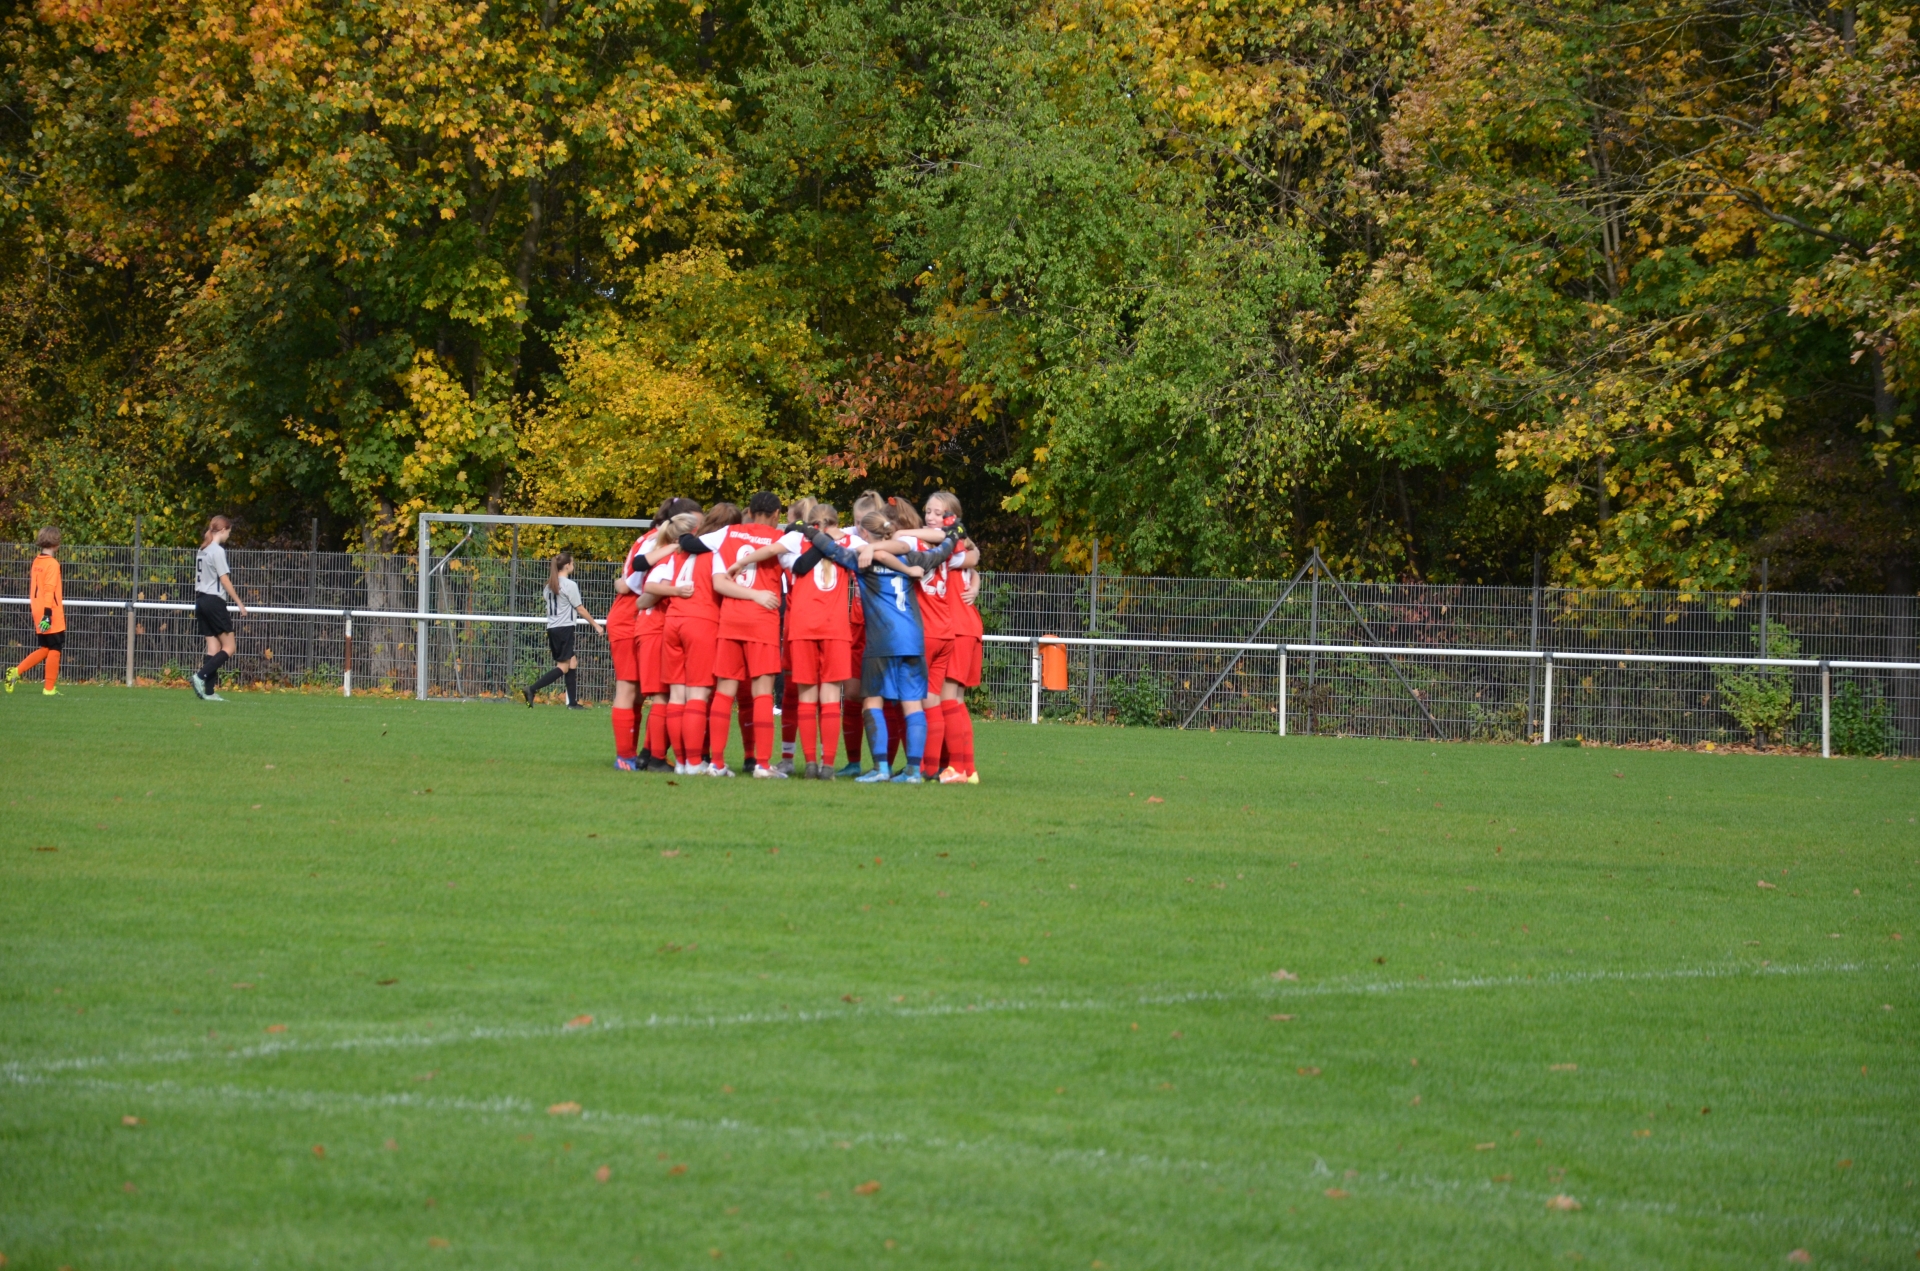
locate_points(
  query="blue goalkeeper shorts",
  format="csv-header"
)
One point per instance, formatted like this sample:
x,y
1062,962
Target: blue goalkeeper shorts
x,y
896,679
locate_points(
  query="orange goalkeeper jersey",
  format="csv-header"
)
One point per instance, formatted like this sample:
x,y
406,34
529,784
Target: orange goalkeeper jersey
x,y
45,595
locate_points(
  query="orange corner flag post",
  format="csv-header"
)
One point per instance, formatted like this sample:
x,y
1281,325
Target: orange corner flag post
x,y
1053,664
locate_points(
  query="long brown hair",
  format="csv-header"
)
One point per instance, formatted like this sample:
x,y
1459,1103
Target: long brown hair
x,y
560,562
214,526
719,516
903,514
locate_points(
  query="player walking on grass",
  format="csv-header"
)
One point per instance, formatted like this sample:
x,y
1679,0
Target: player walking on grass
x,y
47,606
562,595
895,668
211,578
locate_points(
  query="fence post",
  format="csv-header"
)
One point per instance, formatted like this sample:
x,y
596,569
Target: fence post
x,y
1546,711
513,606
1763,607
1033,681
1093,611
346,680
1533,640
133,596
420,626
1313,637
1826,710
1283,688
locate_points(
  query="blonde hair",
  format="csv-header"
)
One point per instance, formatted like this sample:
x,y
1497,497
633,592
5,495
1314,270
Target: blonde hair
x,y
947,499
800,511
682,524
823,515
214,526
878,524
869,501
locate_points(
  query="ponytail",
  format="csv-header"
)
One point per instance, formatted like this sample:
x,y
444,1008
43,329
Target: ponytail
x,y
560,562
214,526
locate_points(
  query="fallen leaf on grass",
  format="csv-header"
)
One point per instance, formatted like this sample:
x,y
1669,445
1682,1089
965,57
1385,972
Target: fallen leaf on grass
x,y
1563,1067
867,1188
672,852
676,1170
1800,1256
131,1120
1503,1178
1485,1147
1847,1164
391,1145
1154,798
382,983
848,997
1764,885
319,1149
567,1109
46,849
276,1028
1338,1193
439,1242
1563,1203
1280,1018
243,985
1643,1134
578,1021
128,1188
602,1174
1308,1071
1283,974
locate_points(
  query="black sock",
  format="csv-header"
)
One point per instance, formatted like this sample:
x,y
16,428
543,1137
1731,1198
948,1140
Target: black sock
x,y
546,679
210,669
573,697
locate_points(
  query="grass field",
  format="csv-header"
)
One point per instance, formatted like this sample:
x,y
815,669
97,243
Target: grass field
x,y
336,960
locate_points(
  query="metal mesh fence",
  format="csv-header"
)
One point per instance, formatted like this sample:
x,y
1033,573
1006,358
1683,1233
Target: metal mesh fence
x,y
1402,695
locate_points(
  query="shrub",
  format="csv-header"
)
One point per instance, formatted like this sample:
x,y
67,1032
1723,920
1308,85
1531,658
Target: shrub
x,y
1760,698
1862,722
1140,702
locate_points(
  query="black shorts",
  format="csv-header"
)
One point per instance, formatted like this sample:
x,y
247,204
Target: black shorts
x,y
55,641
560,641
210,612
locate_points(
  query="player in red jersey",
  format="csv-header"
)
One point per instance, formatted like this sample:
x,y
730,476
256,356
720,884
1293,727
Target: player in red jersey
x,y
963,663
853,727
799,515
749,649
691,636
820,631
633,619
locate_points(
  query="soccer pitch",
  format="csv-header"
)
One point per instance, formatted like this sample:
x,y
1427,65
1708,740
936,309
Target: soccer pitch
x,y
301,981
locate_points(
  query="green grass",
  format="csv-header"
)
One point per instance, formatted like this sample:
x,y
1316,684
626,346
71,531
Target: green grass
x,y
1038,1012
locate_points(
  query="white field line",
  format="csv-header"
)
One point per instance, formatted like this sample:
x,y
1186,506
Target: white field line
x,y
1474,1192
21,1070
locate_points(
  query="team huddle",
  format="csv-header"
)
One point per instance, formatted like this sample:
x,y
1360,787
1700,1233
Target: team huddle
x,y
880,613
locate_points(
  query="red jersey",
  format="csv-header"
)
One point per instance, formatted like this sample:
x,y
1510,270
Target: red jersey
x,y
681,569
940,597
743,619
821,606
625,612
966,617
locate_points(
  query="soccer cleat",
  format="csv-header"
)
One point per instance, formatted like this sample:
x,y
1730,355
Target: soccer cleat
x,y
576,706
952,776
872,775
849,769
827,773
766,774
199,685
785,766
51,692
13,677
810,773
911,777
973,778
528,694
715,770
659,765
213,697
623,764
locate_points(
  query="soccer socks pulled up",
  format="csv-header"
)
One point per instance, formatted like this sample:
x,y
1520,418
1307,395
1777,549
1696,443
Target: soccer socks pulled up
x,y
850,726
936,726
807,721
877,736
209,669
32,660
763,730
830,731
573,692
658,738
551,677
959,734
896,732
677,729
53,669
625,736
693,728
719,724
916,738
746,727
789,718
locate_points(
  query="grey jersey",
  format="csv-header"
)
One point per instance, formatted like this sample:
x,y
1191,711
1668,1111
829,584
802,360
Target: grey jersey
x,y
561,607
208,567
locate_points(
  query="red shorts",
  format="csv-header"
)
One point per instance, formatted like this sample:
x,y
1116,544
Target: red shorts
x,y
689,652
939,660
963,663
821,661
653,671
624,642
857,647
746,660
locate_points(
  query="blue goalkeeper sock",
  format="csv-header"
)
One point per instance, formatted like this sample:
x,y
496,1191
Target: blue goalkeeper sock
x,y
877,736
916,739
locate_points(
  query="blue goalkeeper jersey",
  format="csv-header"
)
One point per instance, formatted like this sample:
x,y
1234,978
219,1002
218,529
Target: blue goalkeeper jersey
x,y
891,602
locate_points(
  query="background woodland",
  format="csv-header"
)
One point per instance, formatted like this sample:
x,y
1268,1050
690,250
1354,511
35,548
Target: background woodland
x,y
1432,285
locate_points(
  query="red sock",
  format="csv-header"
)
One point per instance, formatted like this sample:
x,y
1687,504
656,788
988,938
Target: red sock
x,y
959,734
936,734
763,730
789,717
31,660
896,731
693,727
677,730
852,728
830,732
657,741
746,727
624,736
807,720
719,723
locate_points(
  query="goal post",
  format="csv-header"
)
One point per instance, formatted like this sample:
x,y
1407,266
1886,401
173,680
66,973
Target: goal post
x,y
427,568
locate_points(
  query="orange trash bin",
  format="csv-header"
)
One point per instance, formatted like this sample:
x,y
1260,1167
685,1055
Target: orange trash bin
x,y
1053,664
